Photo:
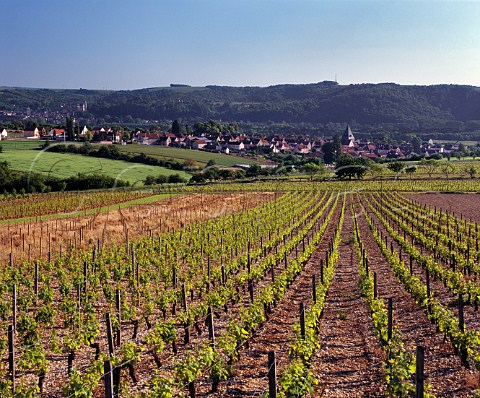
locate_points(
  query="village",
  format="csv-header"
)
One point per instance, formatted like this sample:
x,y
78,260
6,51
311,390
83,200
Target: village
x,y
242,143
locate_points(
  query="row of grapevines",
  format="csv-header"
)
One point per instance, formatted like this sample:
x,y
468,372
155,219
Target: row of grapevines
x,y
467,342
453,278
400,366
250,318
37,205
298,379
111,268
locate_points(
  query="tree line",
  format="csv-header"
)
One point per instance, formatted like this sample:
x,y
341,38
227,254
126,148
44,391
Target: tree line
x,y
443,110
16,182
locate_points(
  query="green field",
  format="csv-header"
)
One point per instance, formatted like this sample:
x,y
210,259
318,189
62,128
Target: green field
x,y
184,154
11,145
64,165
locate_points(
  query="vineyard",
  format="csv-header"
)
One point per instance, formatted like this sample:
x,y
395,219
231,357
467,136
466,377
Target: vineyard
x,y
278,289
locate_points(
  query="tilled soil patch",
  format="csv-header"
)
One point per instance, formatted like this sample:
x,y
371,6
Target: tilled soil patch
x,y
464,204
349,362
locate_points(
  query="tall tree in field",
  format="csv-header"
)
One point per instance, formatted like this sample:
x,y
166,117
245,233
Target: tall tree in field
x,y
416,144
337,147
177,128
328,154
69,128
332,150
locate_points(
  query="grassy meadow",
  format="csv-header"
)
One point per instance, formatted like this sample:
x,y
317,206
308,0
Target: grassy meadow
x,y
64,165
200,157
13,145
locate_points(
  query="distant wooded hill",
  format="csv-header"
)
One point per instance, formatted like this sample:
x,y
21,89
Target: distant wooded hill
x,y
368,107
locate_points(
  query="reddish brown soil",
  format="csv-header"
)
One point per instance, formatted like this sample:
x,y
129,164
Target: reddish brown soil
x,y
277,333
139,219
349,363
465,204
447,376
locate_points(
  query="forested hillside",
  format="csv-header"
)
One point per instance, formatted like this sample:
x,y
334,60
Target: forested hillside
x,y
369,107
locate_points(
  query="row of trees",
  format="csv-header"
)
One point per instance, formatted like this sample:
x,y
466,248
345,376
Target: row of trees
x,y
12,181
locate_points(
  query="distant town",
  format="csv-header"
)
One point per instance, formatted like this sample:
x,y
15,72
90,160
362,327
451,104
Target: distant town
x,y
216,137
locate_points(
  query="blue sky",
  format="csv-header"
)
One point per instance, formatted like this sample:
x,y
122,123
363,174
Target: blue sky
x,y
128,44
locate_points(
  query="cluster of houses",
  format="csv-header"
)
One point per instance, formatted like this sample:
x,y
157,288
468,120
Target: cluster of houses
x,y
241,143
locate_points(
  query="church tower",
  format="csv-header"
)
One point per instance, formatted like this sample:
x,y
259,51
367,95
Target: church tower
x,y
347,137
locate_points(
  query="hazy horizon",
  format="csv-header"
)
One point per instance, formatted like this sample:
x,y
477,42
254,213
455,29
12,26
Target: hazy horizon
x,y
223,85
111,45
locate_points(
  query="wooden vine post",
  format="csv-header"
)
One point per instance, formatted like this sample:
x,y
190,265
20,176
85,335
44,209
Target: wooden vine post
x,y
109,333
85,278
302,320
427,278
419,372
321,272
118,303
116,371
35,282
11,357
272,375
186,338
224,277
390,318
108,379
14,307
314,289
211,328
461,321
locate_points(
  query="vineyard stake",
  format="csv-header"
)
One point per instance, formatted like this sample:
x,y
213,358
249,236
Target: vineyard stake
x,y
134,263
314,289
118,302
427,277
375,286
302,320
109,333
272,375
390,318
85,276
35,282
211,328
11,356
419,372
461,321
108,379
14,307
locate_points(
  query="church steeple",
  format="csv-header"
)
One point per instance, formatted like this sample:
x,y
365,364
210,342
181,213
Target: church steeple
x,y
347,137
